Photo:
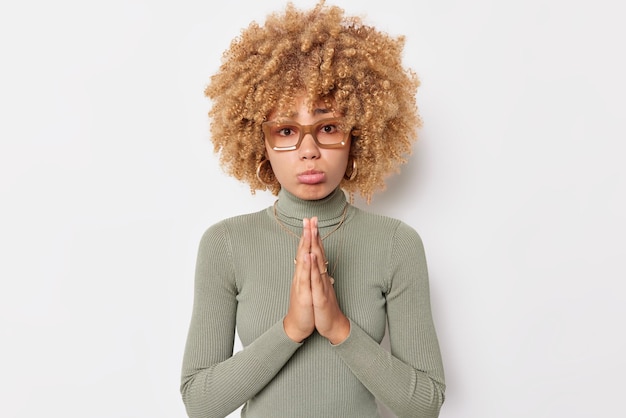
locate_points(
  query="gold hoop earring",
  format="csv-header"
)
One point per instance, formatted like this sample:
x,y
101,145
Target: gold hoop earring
x,y
353,173
258,172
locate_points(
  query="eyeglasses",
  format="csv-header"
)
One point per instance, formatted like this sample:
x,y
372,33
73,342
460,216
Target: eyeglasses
x,y
287,135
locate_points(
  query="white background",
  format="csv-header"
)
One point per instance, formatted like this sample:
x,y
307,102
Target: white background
x,y
108,179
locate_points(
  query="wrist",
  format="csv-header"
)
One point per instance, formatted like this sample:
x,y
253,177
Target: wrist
x,y
292,332
340,332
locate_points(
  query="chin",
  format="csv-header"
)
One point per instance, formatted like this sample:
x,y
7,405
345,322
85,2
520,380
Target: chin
x,y
312,192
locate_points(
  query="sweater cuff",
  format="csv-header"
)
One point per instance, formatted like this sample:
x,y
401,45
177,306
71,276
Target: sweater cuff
x,y
274,347
357,347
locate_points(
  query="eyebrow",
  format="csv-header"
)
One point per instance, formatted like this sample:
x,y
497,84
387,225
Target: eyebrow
x,y
316,111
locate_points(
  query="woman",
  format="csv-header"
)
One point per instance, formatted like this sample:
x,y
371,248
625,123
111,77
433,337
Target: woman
x,y
312,105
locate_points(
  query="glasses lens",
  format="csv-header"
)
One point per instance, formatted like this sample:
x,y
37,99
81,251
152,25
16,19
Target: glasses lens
x,y
330,132
286,135
282,134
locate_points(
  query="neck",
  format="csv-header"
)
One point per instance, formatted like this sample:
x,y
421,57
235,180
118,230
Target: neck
x,y
329,210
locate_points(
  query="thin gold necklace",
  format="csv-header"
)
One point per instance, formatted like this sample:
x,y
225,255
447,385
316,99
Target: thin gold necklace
x,y
343,218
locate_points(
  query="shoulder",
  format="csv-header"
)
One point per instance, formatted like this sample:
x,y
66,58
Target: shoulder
x,y
244,220
385,225
391,235
224,229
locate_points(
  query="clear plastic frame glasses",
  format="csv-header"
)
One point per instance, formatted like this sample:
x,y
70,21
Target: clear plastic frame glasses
x,y
287,135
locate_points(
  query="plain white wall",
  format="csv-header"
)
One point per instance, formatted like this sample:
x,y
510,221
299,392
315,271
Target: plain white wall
x,y
108,179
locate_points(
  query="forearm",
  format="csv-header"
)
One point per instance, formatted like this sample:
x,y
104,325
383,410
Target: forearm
x,y
217,389
214,381
405,390
409,380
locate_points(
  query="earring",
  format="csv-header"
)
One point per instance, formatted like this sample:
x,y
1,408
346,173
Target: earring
x,y
353,173
258,172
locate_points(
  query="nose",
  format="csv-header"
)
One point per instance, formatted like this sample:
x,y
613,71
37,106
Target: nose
x,y
308,149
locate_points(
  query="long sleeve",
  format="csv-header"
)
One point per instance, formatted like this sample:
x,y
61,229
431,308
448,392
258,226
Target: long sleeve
x,y
242,287
409,380
214,381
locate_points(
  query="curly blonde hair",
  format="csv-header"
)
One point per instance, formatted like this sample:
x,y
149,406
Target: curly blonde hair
x,y
353,68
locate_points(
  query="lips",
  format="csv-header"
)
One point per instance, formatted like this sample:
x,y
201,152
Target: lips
x,y
311,177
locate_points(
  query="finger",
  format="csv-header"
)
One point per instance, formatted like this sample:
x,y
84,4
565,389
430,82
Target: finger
x,y
301,285
303,274
317,239
317,277
305,255
306,234
317,247
321,281
304,245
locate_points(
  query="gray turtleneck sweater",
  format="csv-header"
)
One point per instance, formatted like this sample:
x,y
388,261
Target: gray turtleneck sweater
x,y
243,277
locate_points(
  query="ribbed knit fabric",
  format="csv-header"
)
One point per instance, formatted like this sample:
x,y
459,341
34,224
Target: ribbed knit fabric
x,y
243,278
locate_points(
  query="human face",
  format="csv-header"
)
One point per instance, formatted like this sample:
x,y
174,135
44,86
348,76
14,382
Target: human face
x,y
309,172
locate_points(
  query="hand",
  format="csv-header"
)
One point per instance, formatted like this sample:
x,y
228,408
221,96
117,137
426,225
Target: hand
x,y
313,303
330,321
299,322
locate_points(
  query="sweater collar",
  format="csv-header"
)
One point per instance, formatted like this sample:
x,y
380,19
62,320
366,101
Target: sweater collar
x,y
329,210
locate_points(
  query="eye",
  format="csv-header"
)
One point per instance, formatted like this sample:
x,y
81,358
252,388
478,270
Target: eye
x,y
329,128
285,131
